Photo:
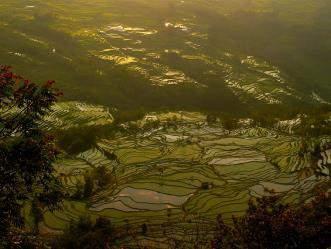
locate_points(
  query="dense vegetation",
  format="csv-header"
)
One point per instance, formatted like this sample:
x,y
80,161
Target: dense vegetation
x,y
86,234
269,224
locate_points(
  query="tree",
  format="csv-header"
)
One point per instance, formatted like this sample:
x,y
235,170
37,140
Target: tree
x,y
211,119
230,123
89,185
272,225
87,234
78,139
26,151
37,214
102,176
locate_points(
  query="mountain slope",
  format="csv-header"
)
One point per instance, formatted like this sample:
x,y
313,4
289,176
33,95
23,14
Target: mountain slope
x,y
182,54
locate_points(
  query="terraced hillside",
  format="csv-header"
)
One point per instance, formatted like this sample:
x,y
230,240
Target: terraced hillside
x,y
173,53
178,176
67,115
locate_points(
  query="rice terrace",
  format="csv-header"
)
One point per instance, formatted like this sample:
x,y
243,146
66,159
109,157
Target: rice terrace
x,y
176,173
171,124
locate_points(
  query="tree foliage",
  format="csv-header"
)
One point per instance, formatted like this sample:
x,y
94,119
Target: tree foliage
x,y
85,234
268,224
26,151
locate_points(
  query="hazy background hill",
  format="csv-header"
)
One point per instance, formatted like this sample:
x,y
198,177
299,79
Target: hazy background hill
x,y
211,55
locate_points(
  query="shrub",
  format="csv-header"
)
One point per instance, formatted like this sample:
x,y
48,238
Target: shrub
x,y
85,234
268,224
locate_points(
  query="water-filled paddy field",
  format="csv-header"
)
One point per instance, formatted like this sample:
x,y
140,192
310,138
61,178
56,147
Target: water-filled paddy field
x,y
175,178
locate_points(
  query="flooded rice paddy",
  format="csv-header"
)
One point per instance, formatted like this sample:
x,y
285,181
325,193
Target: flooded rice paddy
x,y
179,176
